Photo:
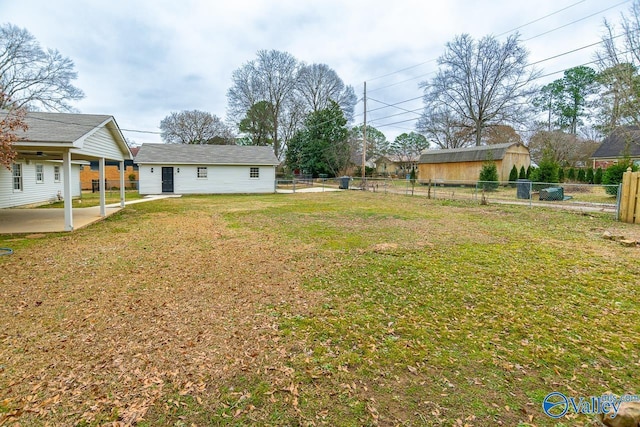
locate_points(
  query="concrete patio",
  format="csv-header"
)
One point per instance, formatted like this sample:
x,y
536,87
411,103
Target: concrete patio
x,y
19,221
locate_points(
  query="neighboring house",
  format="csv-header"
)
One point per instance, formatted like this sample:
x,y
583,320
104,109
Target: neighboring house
x,y
49,154
89,173
355,165
622,142
465,164
205,169
396,165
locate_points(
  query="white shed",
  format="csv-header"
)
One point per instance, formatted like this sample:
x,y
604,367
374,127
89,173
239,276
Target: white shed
x,y
205,169
49,154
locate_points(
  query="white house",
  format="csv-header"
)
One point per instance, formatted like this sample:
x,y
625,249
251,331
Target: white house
x,y
49,154
205,169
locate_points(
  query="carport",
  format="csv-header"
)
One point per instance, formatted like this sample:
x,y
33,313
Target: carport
x,y
67,138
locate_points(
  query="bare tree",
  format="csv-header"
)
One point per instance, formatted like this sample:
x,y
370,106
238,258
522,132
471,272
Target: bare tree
x,y
444,128
195,127
32,77
566,149
318,85
481,83
619,61
502,134
271,77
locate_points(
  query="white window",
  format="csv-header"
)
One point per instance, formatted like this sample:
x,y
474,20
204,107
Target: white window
x,y
254,172
39,174
202,172
17,177
56,173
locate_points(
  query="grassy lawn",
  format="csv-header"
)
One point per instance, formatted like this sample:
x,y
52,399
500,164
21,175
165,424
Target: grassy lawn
x,y
89,199
344,309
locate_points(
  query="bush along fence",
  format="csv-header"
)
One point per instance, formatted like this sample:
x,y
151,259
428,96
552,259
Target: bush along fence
x,y
578,196
630,197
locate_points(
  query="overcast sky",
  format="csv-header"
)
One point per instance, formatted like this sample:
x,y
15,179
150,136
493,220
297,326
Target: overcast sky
x,y
140,60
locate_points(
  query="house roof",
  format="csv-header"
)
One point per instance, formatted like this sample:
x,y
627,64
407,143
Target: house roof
x,y
52,133
469,154
60,127
398,159
622,141
205,154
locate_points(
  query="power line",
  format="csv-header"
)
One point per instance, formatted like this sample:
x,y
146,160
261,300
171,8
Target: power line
x,y
577,20
141,131
510,31
528,65
540,19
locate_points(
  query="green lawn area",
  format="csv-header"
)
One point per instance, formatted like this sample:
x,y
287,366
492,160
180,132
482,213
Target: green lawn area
x,y
339,309
89,199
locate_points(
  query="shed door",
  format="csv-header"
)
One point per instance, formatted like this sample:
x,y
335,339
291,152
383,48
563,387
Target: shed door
x,y
167,180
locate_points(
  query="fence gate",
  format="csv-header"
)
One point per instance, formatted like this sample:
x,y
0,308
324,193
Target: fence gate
x,y
630,199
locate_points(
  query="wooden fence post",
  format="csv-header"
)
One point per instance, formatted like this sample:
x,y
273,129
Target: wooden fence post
x,y
630,198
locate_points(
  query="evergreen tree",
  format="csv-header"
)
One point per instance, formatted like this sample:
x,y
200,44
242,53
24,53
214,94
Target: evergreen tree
x,y
513,175
561,175
548,169
489,176
528,176
571,176
321,147
597,177
589,177
523,173
581,176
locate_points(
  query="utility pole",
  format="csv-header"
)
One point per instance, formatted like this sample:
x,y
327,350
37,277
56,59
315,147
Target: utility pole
x,y
364,138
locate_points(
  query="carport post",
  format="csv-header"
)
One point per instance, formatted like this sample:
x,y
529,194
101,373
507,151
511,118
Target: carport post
x,y
122,184
68,203
103,210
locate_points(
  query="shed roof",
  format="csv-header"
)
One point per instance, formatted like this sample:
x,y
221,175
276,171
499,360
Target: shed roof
x,y
620,142
468,154
205,154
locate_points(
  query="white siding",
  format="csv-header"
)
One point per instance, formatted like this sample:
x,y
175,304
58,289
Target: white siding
x,y
33,192
102,144
220,179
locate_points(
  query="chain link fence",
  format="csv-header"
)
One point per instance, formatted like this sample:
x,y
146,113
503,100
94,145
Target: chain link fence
x,y
93,185
575,196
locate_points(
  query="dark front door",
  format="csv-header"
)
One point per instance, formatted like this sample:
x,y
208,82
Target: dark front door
x,y
167,180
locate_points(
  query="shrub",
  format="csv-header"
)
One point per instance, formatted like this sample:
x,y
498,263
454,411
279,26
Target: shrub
x,y
581,176
571,175
548,171
489,176
528,176
612,176
523,173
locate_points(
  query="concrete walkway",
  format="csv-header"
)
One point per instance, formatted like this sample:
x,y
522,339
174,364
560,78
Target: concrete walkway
x,y
18,221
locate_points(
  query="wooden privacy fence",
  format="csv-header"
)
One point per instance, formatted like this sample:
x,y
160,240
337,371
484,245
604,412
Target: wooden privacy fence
x,y
630,198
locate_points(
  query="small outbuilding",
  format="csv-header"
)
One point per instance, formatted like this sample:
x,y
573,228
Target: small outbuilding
x,y
465,164
205,169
